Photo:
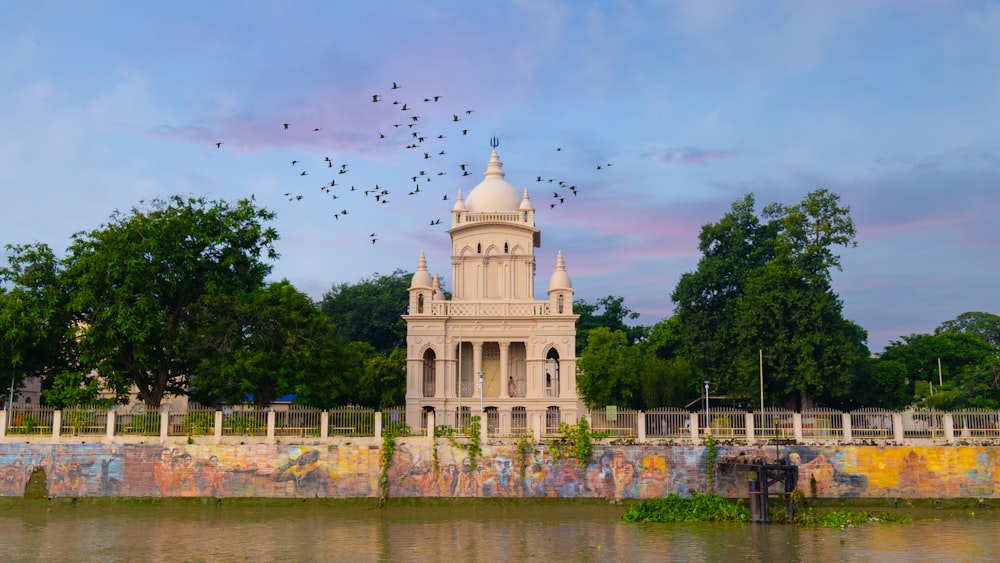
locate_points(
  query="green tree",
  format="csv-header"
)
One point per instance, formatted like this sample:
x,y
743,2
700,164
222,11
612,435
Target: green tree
x,y
609,370
371,310
37,334
986,325
267,343
383,383
766,286
139,281
946,362
665,377
609,312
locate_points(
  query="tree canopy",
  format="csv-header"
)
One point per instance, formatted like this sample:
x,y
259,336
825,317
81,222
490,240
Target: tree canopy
x,y
371,310
764,285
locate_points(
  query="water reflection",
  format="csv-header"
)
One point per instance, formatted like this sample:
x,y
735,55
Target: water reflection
x,y
464,533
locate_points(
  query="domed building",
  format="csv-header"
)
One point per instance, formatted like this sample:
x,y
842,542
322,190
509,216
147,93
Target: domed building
x,y
492,349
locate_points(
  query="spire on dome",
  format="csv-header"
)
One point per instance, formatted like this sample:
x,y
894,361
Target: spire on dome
x,y
436,288
494,168
459,202
525,202
560,279
421,278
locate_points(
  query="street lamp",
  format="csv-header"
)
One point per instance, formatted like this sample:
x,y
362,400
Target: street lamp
x,y
707,418
480,374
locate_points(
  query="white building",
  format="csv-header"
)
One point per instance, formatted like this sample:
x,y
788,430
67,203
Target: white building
x,y
492,349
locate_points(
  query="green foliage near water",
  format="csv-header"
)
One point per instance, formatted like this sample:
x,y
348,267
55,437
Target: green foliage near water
x,y
695,508
714,508
845,518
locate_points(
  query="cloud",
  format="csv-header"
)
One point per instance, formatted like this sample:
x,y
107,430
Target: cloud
x,y
688,155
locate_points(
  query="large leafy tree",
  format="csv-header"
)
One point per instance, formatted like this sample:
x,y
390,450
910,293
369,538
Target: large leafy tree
x,y
371,310
270,342
37,333
609,312
139,281
765,286
609,370
986,325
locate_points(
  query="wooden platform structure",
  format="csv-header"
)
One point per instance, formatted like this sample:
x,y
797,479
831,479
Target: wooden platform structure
x,y
764,473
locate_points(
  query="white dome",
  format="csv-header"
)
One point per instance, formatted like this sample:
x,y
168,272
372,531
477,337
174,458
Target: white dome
x,y
493,193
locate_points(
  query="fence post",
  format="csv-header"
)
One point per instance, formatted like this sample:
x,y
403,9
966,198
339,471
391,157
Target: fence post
x,y
797,427
271,422
218,427
378,424
430,424
949,427
109,426
846,426
324,425
3,423
164,423
693,427
897,427
641,427
536,424
751,434
56,424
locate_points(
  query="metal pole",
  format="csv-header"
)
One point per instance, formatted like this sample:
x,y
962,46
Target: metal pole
x,y
707,417
761,351
480,374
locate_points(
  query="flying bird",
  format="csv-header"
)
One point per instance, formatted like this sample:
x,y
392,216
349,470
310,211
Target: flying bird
x,y
286,127
218,145
375,98
395,86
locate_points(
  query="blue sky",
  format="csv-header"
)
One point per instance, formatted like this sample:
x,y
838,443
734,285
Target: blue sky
x,y
895,106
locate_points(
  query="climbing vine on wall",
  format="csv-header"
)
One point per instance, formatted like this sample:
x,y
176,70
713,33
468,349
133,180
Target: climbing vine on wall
x,y
711,460
574,442
388,447
473,447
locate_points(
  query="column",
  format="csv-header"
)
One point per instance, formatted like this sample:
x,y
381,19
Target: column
x,y
324,425
750,428
477,366
504,371
164,423
797,426
271,423
846,425
897,427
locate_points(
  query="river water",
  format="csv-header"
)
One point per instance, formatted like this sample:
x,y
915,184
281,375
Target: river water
x,y
490,532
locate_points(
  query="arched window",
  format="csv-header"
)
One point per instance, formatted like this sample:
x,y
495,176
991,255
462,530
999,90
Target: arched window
x,y
505,249
429,374
560,306
420,303
479,248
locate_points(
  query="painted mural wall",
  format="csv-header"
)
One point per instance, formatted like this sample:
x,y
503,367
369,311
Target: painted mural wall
x,y
350,470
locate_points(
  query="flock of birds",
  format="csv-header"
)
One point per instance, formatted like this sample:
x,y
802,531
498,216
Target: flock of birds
x,y
426,138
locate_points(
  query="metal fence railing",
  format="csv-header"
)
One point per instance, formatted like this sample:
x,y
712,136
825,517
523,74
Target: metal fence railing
x,y
976,423
244,420
774,424
668,423
30,420
822,424
360,421
871,424
614,422
197,420
137,422
298,421
84,421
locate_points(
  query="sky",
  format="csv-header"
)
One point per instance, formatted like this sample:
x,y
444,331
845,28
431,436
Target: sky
x,y
686,106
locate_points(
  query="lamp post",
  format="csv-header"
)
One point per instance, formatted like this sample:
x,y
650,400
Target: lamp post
x,y
707,417
480,374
